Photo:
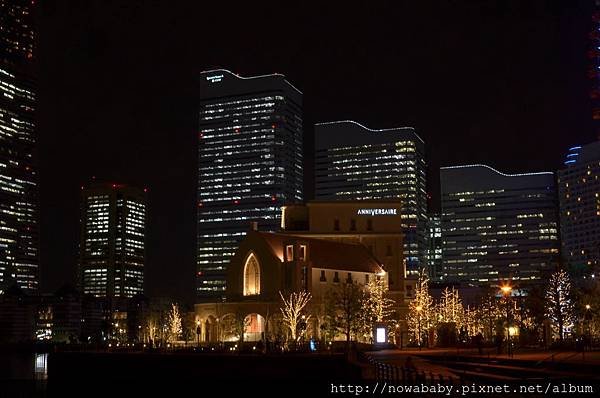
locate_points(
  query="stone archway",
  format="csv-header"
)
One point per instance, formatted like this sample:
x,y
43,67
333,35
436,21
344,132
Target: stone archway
x,y
255,327
227,325
211,333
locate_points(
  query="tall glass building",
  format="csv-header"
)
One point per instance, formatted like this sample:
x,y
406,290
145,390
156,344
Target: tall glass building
x,y
497,226
579,199
249,164
434,247
19,231
112,248
353,162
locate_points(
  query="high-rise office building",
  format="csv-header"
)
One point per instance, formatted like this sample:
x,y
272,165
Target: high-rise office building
x,y
593,72
579,199
353,162
497,226
250,164
19,240
17,34
434,247
112,248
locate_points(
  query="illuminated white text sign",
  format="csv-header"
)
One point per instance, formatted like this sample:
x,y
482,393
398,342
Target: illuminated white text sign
x,y
377,212
214,78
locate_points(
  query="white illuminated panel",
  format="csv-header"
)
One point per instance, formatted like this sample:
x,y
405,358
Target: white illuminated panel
x,y
380,335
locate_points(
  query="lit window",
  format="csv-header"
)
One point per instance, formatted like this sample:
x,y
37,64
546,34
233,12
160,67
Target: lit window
x,y
302,253
251,276
289,252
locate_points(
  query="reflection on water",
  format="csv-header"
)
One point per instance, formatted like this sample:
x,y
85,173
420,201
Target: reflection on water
x,y
23,374
23,366
40,371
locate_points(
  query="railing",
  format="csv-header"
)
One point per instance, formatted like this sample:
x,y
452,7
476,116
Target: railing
x,y
555,357
385,372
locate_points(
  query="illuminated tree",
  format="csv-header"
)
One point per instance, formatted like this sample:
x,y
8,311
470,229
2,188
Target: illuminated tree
x,y
420,310
291,310
174,323
450,308
151,329
377,306
472,321
234,326
489,313
559,307
450,318
588,304
343,309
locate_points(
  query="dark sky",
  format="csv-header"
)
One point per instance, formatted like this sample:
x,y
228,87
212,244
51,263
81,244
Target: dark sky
x,y
496,82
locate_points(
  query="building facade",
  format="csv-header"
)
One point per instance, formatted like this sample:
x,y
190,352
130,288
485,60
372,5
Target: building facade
x,y
375,224
353,162
266,264
19,231
579,199
497,226
112,248
250,164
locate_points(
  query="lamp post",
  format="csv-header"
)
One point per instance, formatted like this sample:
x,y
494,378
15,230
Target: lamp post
x,y
419,309
588,318
506,291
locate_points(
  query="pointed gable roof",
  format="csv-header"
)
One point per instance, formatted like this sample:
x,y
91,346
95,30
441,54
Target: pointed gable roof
x,y
326,254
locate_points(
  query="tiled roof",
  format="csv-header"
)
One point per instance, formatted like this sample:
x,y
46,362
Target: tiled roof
x,y
328,254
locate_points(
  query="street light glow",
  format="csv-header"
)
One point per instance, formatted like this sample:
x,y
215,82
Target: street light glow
x,y
506,289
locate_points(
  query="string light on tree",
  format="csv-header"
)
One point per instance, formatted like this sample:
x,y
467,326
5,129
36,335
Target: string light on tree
x,y
292,311
559,307
420,310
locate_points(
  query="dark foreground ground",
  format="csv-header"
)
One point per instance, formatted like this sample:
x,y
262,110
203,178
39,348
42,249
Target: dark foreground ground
x,y
117,374
154,374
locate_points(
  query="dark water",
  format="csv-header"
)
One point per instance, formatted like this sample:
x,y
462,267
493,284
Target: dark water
x,y
23,374
132,375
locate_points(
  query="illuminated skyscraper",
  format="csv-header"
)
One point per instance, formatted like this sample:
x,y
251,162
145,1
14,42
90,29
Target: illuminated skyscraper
x,y
594,67
497,226
112,248
19,240
434,247
249,164
579,198
353,162
17,35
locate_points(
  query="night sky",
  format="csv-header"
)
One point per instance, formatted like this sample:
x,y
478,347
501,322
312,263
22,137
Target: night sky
x,y
502,83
